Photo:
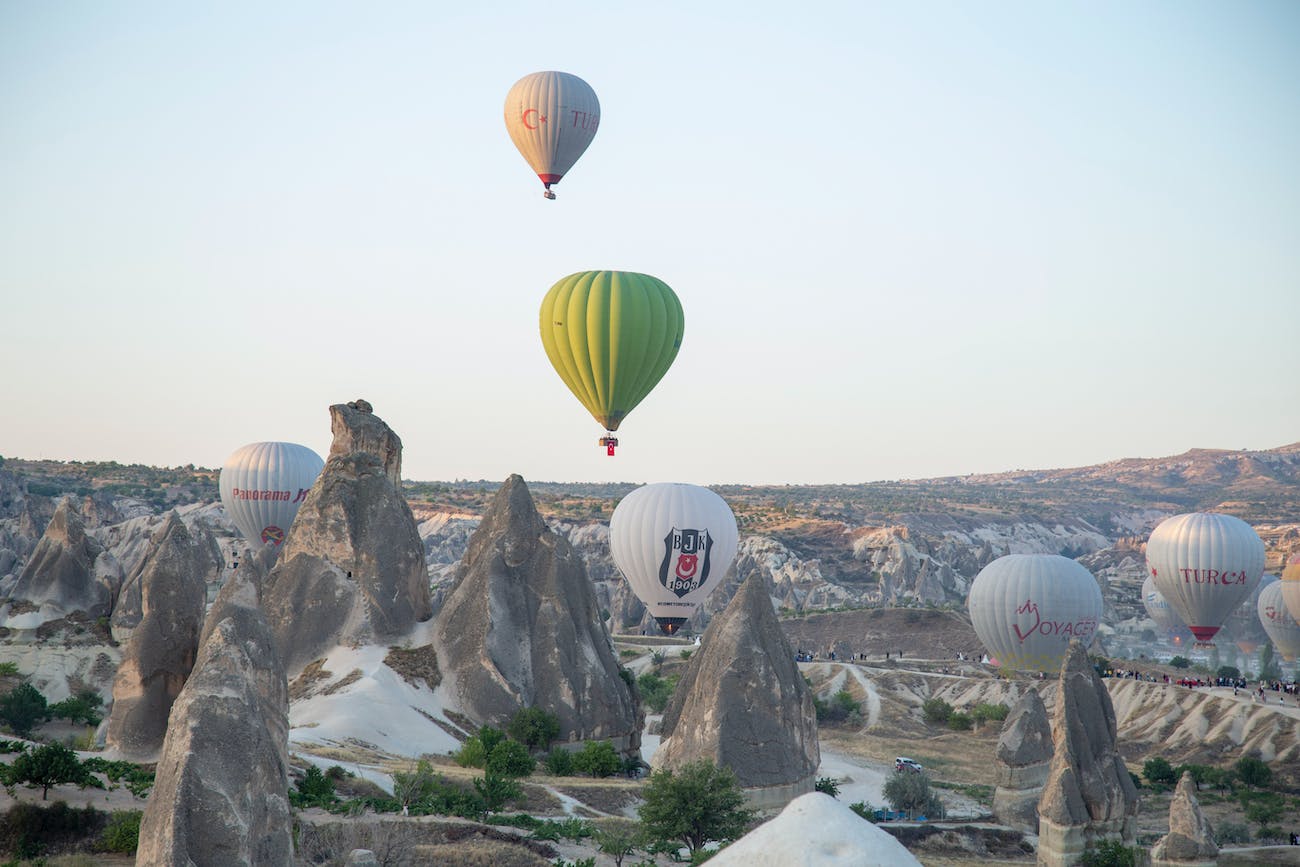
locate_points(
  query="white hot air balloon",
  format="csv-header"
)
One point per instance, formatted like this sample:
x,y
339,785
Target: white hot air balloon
x,y
1291,585
551,118
263,484
1027,607
1205,564
1158,610
1282,628
673,542
1243,627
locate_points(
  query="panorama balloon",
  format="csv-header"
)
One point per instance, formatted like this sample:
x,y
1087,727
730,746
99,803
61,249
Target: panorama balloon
x,y
1282,628
611,336
1205,564
1291,585
263,484
674,543
551,118
1243,627
1164,616
1027,607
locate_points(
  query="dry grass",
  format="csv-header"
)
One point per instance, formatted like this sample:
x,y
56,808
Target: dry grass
x,y
479,853
959,757
415,665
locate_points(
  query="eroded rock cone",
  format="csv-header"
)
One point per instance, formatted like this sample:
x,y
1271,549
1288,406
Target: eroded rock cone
x,y
1089,795
163,646
352,568
1190,840
69,572
221,795
1020,765
174,548
743,704
522,629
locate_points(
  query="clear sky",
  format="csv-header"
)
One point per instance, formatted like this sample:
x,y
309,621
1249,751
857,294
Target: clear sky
x,y
911,239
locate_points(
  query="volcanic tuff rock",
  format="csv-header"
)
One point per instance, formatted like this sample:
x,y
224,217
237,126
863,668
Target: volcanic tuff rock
x,y
521,628
742,703
163,645
352,568
1020,765
1089,795
1190,840
207,806
177,549
69,571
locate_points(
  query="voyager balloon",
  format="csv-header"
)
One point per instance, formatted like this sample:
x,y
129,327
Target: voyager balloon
x,y
1291,585
611,336
1205,564
263,484
551,118
673,542
1026,607
1158,609
1282,628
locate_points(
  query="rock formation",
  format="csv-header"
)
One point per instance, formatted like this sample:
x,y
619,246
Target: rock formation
x,y
1190,840
352,568
814,830
742,703
175,548
221,794
521,629
1089,795
1020,765
163,645
69,572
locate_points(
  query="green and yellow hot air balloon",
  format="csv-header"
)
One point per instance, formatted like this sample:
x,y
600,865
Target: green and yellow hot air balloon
x,y
611,336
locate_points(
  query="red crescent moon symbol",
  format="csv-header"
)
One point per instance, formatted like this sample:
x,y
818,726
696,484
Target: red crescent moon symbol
x,y
526,113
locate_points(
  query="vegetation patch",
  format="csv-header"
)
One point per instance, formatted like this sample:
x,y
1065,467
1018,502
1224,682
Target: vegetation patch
x,y
303,685
415,665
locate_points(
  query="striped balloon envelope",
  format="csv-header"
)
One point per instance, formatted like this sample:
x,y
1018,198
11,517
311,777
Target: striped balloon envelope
x,y
262,486
1205,564
552,118
1026,607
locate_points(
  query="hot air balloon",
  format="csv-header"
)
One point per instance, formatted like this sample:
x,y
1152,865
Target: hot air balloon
x,y
673,542
611,336
551,118
1242,627
1158,609
263,484
1027,607
1282,628
1205,564
1291,585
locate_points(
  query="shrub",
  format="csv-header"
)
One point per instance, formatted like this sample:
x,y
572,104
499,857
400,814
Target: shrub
x,y
655,690
1157,770
985,712
534,727
863,809
1180,662
558,762
1253,772
827,786
1231,832
1228,671
138,781
83,708
510,759
313,790
9,669
496,790
910,792
598,759
28,829
122,833
1205,775
960,722
936,711
1110,853
22,709
1264,808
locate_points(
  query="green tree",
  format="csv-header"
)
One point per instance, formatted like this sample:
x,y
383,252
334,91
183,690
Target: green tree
x,y
597,758
49,765
22,708
122,834
1253,772
83,708
534,728
1230,671
617,839
558,762
1158,770
1180,662
496,790
1268,667
910,792
416,786
936,711
827,786
314,790
1110,853
698,803
510,759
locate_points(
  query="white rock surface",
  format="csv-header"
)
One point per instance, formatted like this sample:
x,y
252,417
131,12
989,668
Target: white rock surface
x,y
815,830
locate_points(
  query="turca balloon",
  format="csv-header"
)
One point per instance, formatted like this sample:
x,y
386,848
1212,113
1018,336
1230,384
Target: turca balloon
x,y
1206,565
551,117
263,484
1026,607
673,543
611,336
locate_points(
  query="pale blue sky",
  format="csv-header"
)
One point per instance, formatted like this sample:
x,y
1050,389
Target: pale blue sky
x,y
911,239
